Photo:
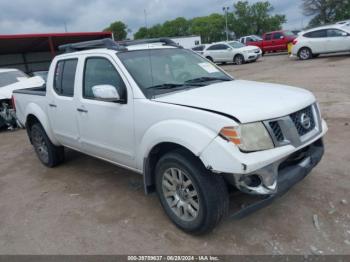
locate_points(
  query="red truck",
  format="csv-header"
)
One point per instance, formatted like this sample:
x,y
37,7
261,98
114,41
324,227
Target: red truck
x,y
271,42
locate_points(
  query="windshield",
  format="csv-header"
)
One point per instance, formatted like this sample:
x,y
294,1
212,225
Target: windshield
x,y
159,71
256,38
236,44
11,77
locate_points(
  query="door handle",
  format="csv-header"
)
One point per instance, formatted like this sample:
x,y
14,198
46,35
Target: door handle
x,y
52,105
82,110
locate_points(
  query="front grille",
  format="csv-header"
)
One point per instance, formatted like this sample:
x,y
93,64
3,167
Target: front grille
x,y
304,120
276,129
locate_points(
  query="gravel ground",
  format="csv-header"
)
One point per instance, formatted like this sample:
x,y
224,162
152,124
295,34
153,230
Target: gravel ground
x,y
87,206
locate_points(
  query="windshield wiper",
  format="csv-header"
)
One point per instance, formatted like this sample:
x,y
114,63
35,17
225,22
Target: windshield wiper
x,y
165,86
206,79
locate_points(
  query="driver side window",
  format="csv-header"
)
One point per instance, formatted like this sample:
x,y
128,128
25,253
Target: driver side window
x,y
100,71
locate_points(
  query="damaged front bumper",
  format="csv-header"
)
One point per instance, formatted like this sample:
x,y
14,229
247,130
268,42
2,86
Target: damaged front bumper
x,y
281,176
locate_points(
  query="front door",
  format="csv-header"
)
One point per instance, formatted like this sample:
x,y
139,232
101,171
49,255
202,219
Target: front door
x,y
106,128
337,40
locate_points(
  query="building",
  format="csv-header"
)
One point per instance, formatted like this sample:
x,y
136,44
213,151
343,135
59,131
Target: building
x,y
34,52
187,41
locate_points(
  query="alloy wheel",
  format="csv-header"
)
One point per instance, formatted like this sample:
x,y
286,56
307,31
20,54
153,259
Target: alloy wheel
x,y
180,194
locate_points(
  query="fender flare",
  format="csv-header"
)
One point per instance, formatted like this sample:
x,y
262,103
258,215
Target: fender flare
x,y
189,135
38,112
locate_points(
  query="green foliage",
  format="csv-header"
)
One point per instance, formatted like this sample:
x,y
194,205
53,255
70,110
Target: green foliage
x,y
119,30
254,19
326,11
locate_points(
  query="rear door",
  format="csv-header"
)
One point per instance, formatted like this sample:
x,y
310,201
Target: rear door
x,y
106,128
219,52
62,107
317,41
267,43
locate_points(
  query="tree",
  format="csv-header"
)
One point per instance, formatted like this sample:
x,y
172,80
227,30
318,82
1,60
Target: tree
x,y
326,11
119,30
254,19
211,28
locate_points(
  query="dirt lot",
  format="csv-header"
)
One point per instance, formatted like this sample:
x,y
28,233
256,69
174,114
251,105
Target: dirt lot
x,y
91,207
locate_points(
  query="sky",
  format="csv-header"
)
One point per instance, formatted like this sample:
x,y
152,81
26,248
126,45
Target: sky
x,y
45,16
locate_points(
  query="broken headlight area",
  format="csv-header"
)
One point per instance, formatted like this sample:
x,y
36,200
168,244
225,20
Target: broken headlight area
x,y
8,118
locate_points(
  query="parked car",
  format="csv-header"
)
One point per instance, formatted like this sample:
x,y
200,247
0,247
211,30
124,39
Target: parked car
x,y
234,51
10,80
183,123
276,41
251,40
322,40
42,74
199,49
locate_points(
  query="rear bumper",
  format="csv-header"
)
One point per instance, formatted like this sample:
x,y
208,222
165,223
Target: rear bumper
x,y
290,173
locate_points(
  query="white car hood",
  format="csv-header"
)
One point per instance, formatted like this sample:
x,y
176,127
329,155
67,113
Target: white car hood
x,y
247,101
6,91
248,48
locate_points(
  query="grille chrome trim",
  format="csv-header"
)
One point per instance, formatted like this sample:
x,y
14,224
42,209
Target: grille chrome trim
x,y
291,132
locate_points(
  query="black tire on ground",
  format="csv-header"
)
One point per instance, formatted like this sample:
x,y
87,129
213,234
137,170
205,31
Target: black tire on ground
x,y
263,53
238,59
210,58
305,53
49,154
207,190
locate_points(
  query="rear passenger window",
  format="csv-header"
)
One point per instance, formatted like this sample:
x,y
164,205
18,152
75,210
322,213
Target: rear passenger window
x,y
268,36
316,34
65,77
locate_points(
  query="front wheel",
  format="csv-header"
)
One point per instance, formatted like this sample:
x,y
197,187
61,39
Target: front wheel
x,y
305,53
49,154
194,199
238,60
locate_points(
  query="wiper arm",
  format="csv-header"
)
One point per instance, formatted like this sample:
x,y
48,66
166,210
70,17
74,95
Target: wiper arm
x,y
165,86
206,79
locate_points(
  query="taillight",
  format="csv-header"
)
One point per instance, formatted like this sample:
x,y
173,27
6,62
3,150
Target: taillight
x,y
13,102
295,41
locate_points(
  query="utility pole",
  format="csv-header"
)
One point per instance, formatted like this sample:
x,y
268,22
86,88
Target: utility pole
x,y
146,24
65,27
225,9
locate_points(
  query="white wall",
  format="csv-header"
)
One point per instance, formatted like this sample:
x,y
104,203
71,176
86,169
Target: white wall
x,y
188,42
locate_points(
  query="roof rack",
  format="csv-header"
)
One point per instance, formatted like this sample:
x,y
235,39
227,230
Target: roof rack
x,y
102,43
165,41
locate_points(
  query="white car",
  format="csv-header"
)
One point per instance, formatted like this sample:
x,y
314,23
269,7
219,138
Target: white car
x,y
10,80
322,40
180,121
234,51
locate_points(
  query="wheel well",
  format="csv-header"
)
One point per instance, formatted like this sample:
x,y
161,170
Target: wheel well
x,y
151,161
237,55
31,120
304,47
209,58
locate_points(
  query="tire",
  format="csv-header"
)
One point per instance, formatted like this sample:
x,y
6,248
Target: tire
x,y
193,198
210,58
49,154
238,59
305,53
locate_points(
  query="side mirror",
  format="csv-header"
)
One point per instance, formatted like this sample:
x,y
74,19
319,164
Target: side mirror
x,y
281,37
106,93
344,34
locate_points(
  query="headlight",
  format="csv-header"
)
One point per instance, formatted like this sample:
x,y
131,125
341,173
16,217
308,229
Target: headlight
x,y
248,137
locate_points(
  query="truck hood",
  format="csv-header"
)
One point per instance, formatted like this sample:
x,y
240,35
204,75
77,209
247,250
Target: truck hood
x,y
246,101
6,91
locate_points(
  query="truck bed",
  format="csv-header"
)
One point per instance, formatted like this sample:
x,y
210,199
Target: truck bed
x,y
37,91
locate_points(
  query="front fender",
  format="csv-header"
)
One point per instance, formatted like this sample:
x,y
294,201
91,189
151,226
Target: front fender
x,y
190,135
38,112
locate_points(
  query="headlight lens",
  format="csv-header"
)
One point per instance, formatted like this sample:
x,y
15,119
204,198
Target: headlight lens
x,y
249,137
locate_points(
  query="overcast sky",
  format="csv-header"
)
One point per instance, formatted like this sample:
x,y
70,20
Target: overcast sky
x,y
43,16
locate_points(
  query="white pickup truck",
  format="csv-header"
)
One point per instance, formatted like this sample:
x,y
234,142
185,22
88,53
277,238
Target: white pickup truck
x,y
169,114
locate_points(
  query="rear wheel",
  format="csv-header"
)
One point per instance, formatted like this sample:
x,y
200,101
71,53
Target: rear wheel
x,y
238,60
194,199
210,58
305,53
49,154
